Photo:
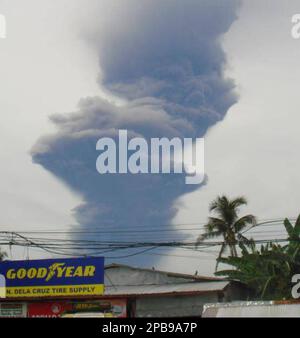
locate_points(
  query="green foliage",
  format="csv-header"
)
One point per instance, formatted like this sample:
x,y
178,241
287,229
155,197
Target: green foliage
x,y
268,270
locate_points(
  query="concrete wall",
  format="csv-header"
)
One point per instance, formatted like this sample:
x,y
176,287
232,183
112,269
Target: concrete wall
x,y
174,306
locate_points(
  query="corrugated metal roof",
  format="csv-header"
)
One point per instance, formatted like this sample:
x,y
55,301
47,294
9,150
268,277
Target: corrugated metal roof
x,y
167,273
190,287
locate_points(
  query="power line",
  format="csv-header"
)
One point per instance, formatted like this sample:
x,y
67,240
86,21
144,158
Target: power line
x,y
153,227
95,246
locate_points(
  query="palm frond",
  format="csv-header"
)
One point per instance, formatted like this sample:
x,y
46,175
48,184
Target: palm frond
x,y
297,227
237,202
242,222
289,227
214,224
208,235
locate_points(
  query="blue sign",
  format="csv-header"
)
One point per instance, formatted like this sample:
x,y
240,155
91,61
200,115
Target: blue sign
x,y
54,277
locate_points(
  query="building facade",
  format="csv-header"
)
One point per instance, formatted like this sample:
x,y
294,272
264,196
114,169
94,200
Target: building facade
x,y
134,292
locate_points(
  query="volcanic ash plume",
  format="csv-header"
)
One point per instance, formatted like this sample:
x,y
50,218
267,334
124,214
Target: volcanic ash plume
x,y
164,60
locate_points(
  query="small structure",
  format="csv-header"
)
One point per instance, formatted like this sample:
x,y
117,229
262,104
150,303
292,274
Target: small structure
x,y
128,292
154,293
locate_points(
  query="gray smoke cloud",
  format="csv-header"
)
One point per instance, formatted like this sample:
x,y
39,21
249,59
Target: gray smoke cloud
x,y
164,58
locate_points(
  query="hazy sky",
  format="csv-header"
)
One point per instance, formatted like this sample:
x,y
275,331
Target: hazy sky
x,y
44,69
254,151
47,64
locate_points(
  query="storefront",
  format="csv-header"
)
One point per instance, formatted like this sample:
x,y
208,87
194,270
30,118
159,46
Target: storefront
x,y
57,308
54,288
75,287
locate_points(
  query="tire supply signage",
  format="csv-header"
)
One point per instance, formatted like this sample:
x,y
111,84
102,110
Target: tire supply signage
x,y
54,277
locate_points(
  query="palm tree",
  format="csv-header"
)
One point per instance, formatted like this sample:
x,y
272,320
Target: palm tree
x,y
227,224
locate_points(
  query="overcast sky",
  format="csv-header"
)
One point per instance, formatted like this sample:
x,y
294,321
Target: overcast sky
x,y
48,63
254,151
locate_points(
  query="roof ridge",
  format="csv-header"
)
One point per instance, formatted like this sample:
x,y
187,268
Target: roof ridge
x,y
169,273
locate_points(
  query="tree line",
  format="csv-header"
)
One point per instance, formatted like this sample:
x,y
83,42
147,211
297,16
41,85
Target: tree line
x,y
266,270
